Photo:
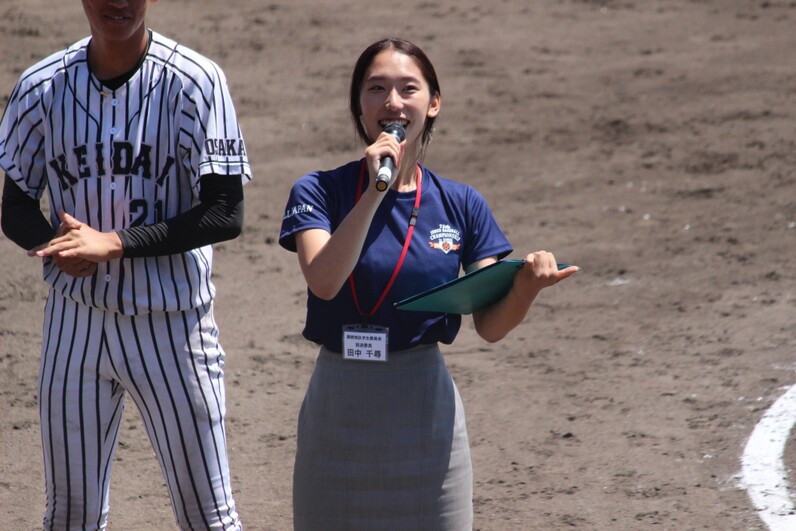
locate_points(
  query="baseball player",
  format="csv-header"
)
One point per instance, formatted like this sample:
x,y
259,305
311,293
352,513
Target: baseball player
x,y
136,142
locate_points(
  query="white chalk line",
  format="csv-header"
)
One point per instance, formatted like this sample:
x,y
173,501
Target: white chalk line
x,y
763,473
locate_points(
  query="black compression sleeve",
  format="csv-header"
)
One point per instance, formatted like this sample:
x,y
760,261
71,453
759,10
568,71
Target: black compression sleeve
x,y
22,219
217,217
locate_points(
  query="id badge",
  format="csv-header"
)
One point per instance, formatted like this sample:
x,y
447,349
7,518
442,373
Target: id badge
x,y
365,342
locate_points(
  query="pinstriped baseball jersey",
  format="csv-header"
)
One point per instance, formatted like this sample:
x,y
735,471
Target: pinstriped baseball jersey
x,y
126,157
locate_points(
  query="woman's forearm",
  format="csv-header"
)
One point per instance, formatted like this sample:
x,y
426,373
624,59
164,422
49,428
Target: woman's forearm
x,y
328,259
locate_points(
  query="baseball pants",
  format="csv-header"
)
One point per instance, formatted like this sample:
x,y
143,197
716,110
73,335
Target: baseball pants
x,y
171,364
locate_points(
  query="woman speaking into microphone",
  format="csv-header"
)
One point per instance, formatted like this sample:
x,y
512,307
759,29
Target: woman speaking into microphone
x,y
382,441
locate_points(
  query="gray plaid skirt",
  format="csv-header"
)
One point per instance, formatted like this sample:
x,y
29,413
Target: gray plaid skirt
x,y
382,446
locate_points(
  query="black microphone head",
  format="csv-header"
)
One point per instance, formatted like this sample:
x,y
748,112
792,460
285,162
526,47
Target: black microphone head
x,y
396,129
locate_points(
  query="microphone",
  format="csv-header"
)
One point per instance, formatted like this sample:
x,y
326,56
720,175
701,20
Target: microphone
x,y
387,165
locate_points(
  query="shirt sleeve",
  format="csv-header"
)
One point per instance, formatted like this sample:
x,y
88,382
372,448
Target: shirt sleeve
x,y
308,207
22,140
216,131
484,238
22,219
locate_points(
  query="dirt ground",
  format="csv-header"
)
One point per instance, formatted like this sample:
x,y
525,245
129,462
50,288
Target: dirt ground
x,y
650,142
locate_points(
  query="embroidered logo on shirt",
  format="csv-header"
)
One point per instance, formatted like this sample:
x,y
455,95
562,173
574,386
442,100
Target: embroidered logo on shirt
x,y
445,238
297,209
225,147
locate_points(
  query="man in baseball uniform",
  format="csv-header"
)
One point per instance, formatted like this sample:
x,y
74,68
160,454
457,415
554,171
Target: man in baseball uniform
x,y
135,140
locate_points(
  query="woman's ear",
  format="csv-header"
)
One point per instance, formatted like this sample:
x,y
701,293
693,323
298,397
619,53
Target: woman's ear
x,y
434,106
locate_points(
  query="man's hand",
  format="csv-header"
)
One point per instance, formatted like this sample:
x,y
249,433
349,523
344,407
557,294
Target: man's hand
x,y
77,248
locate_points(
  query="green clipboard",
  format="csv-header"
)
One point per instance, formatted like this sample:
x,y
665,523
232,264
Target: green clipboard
x,y
468,293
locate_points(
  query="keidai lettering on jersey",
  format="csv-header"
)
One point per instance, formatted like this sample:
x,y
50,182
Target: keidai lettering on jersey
x,y
125,159
128,159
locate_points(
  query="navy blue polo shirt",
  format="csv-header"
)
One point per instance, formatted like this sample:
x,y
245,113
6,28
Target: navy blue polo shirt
x,y
454,229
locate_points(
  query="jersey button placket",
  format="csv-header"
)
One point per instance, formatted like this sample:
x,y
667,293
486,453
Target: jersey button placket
x,y
111,115
112,130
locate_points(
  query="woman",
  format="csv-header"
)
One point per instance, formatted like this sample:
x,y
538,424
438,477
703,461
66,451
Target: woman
x,y
382,443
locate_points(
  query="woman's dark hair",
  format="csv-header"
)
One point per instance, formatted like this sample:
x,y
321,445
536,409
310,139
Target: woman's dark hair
x,y
364,62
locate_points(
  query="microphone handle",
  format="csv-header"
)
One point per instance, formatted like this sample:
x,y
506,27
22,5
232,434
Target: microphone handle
x,y
384,176
387,166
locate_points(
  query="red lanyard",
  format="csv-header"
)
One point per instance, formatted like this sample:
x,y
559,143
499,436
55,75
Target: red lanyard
x,y
412,222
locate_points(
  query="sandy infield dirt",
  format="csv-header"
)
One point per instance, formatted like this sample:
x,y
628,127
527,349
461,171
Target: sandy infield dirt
x,y
653,143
